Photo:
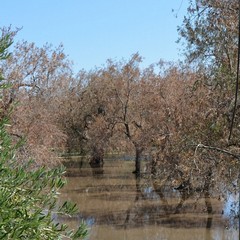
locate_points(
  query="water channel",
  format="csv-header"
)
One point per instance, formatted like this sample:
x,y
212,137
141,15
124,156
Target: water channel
x,y
116,205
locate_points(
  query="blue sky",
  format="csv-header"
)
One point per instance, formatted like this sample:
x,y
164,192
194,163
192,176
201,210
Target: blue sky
x,y
93,31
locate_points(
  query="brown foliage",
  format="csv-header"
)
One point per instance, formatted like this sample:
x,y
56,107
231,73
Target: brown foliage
x,y
37,77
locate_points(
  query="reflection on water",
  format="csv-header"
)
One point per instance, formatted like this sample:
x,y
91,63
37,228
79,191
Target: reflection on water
x,y
116,205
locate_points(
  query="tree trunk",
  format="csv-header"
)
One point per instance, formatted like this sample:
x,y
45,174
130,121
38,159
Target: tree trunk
x,y
138,160
208,198
96,160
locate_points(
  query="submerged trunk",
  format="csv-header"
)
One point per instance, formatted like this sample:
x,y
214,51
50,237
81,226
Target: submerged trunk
x,y
96,160
138,160
208,198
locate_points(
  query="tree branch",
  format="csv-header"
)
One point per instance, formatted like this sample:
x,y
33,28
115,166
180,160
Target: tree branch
x,y
218,150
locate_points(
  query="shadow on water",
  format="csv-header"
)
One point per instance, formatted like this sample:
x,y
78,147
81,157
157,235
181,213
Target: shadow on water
x,y
118,205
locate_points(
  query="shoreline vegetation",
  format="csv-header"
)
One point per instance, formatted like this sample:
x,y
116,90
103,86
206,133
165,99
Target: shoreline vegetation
x,y
28,194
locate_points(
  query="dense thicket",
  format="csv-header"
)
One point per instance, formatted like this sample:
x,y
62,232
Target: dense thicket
x,y
179,115
210,33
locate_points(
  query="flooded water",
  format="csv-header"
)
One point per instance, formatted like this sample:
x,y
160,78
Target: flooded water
x,y
116,205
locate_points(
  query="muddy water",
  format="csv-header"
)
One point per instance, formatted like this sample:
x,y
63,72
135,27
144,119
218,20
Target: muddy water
x,y
116,205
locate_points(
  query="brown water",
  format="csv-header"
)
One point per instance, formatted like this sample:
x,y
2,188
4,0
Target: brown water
x,y
116,205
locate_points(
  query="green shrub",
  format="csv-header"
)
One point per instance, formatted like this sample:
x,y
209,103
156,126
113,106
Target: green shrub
x,y
28,196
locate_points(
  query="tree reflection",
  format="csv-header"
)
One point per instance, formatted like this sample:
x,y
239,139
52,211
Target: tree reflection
x,y
97,171
128,202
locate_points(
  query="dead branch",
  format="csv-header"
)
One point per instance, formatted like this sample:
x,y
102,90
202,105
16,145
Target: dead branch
x,y
218,150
